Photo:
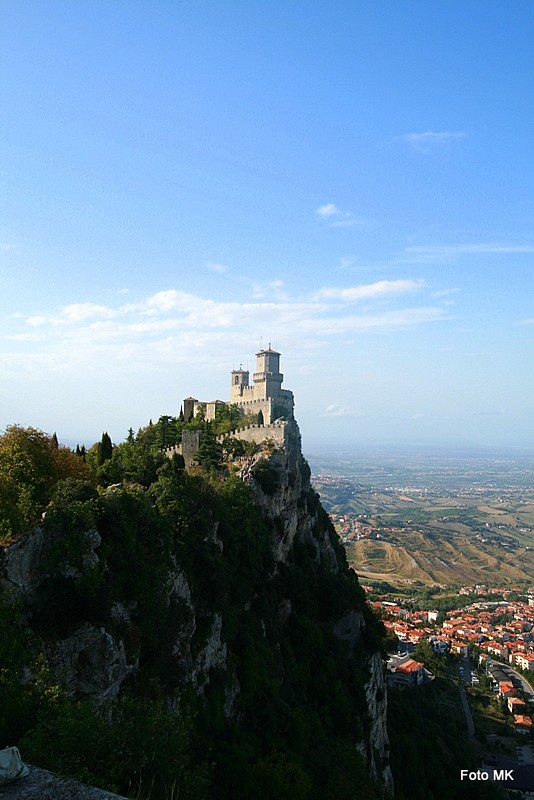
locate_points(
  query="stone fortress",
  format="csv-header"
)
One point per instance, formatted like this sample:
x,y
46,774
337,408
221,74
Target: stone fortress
x,y
265,395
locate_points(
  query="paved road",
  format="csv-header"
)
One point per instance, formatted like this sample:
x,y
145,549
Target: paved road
x,y
467,711
467,671
525,685
464,673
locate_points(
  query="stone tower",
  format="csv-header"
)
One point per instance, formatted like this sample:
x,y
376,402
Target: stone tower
x,y
267,378
266,393
240,385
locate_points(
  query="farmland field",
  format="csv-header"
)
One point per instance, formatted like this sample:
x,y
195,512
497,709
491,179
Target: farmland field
x,y
452,521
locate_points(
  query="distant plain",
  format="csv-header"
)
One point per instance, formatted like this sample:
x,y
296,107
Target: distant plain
x,y
436,517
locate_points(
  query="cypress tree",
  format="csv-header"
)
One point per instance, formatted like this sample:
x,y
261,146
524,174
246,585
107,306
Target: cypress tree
x,y
105,449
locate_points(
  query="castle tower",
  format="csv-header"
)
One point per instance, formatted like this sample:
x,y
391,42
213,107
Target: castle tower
x,y
266,393
239,385
267,378
189,408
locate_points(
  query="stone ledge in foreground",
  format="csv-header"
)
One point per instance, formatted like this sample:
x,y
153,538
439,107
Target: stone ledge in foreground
x,y
40,784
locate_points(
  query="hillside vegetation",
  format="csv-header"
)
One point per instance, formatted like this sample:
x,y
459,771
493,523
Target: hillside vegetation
x,y
234,682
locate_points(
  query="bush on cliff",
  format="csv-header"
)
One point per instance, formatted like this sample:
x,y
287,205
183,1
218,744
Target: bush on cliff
x,y
298,711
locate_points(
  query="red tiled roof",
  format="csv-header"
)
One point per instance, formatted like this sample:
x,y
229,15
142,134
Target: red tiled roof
x,y
522,721
410,666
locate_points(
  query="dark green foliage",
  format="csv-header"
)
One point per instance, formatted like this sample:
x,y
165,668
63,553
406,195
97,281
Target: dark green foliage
x,y
166,432
237,448
266,476
105,449
280,412
210,451
132,461
429,745
301,704
139,747
17,651
143,748
227,418
424,652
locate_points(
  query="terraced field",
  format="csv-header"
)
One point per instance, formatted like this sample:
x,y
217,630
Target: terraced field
x,y
433,538
427,559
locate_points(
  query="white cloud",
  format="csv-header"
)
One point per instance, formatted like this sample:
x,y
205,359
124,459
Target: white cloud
x,y
271,290
72,314
328,210
37,320
349,222
337,217
172,327
336,410
78,312
432,139
369,291
215,266
480,248
392,320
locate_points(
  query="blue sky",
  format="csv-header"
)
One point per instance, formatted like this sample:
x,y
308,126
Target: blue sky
x,y
352,181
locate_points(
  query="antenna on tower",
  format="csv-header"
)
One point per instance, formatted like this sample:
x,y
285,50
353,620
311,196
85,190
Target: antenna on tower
x,y
261,342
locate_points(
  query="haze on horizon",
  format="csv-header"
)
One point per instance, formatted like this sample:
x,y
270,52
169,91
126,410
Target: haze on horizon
x,y
184,182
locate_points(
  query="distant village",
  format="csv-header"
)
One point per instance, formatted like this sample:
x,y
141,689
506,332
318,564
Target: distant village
x,y
501,630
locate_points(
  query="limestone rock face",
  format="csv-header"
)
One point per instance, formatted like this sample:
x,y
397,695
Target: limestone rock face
x,y
22,568
90,662
211,656
350,628
293,507
378,743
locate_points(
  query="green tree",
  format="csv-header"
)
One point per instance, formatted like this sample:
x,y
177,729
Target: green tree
x,y
165,432
210,451
28,473
105,449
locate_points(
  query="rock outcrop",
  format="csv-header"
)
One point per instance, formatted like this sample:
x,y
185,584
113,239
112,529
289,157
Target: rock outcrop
x,y
95,660
40,784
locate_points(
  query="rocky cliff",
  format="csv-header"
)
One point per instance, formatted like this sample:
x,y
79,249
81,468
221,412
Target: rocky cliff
x,y
241,597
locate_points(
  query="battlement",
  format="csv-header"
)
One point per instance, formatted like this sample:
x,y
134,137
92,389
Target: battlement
x,y
278,431
265,395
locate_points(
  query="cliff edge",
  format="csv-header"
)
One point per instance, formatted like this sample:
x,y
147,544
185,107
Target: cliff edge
x,y
230,603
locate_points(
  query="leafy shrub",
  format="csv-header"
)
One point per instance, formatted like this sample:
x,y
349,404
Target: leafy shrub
x,y
266,476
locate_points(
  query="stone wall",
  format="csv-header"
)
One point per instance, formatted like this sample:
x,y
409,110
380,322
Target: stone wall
x,y
259,433
278,432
